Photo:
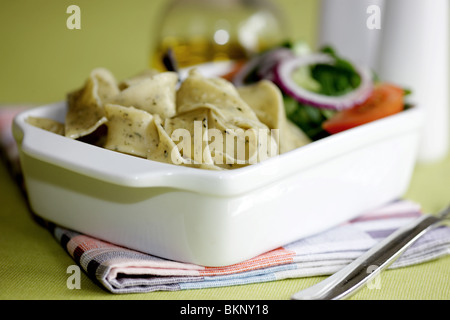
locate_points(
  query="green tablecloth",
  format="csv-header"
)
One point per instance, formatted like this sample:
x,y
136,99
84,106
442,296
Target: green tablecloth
x,y
34,266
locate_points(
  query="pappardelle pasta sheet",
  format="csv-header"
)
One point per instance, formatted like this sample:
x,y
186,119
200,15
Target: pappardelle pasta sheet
x,y
200,122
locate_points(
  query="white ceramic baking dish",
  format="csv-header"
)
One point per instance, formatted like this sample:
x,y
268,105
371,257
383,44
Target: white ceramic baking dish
x,y
214,218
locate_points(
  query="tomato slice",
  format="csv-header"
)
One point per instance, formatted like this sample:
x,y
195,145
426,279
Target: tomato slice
x,y
385,100
234,70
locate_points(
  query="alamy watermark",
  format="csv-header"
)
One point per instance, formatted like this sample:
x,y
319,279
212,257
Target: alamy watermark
x,y
74,20
374,283
74,280
373,22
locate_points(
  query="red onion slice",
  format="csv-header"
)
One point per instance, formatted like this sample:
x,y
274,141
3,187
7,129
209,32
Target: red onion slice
x,y
262,65
283,78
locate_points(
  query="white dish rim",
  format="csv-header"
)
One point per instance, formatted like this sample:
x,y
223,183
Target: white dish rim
x,y
131,171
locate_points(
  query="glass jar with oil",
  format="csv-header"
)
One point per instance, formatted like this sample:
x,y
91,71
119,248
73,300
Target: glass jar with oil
x,y
200,31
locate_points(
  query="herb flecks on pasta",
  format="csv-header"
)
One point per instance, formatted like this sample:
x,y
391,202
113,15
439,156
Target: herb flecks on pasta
x,y
201,122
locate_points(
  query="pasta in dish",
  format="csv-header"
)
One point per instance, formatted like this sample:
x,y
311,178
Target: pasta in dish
x,y
200,122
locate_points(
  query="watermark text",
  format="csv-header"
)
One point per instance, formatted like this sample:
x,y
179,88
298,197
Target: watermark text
x,y
74,20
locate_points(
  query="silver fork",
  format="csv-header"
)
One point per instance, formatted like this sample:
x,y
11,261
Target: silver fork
x,y
351,278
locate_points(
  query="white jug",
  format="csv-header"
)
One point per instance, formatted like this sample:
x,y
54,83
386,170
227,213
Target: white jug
x,y
409,47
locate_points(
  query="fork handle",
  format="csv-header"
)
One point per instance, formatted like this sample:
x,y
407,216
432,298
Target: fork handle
x,y
351,278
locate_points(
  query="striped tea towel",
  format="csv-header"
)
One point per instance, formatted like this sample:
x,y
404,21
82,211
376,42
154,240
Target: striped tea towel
x,y
122,270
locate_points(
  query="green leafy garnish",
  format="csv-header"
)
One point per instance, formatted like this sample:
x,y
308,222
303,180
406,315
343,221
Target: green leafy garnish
x,y
335,79
308,118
